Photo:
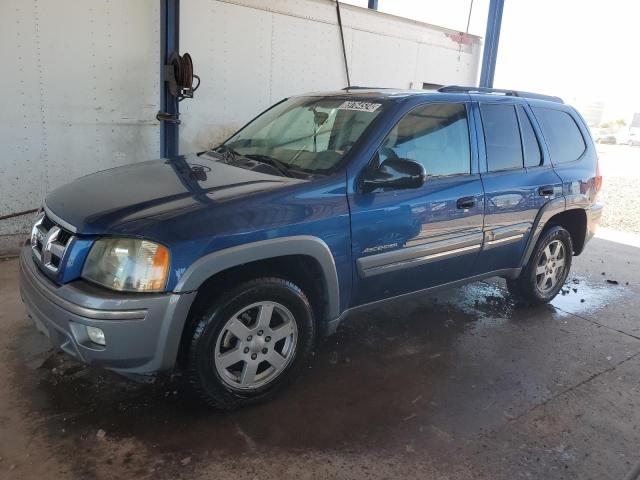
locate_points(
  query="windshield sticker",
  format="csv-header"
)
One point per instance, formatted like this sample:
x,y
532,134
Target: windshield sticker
x,y
359,106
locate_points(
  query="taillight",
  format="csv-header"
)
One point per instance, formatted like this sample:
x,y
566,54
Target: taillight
x,y
598,179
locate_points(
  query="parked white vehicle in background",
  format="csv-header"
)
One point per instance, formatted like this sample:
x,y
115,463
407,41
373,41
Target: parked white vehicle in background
x,y
633,140
625,138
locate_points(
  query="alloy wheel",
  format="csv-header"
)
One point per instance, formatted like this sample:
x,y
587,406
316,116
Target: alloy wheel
x,y
255,345
551,265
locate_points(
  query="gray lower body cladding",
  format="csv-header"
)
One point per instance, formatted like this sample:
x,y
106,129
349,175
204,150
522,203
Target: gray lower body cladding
x,y
142,331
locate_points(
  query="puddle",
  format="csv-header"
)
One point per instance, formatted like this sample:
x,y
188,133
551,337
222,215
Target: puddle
x,y
489,302
581,295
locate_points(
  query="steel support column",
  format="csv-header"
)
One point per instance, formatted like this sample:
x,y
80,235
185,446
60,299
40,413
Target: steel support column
x,y
491,40
169,42
373,4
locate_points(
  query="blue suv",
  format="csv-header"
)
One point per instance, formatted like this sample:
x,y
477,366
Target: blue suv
x,y
230,263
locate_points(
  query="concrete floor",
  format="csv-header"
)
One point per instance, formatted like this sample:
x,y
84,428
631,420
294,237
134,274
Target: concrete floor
x,y
462,385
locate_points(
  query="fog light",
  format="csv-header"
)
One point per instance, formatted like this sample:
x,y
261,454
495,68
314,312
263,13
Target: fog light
x,y
96,335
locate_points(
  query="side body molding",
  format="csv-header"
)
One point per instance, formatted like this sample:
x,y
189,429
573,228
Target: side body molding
x,y
307,245
419,254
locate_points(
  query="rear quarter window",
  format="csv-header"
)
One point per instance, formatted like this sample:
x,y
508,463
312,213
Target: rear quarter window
x,y
530,146
563,137
501,137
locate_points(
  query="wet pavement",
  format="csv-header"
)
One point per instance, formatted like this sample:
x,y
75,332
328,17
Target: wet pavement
x,y
462,384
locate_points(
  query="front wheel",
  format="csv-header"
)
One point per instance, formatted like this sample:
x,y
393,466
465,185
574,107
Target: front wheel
x,y
250,342
547,269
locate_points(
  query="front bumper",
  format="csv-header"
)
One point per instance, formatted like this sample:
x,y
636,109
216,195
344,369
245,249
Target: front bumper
x,y
142,331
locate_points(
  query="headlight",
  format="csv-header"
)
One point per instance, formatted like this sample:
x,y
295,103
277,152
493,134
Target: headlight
x,y
127,264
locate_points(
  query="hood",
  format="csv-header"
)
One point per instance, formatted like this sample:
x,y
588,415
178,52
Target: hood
x,y
109,199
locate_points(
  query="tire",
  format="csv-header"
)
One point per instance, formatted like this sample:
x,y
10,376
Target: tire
x,y
542,278
241,323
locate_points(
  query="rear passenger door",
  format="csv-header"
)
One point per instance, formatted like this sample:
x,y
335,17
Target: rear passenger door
x,y
518,180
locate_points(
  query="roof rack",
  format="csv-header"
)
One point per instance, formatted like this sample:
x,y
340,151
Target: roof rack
x,y
499,91
357,87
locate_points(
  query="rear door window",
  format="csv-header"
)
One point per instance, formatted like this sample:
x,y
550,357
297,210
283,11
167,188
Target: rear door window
x,y
561,133
530,145
501,137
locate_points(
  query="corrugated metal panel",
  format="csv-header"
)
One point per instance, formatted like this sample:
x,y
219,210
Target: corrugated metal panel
x,y
23,129
383,61
232,53
80,92
252,53
311,62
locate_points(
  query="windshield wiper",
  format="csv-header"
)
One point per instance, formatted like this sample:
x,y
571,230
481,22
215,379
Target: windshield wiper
x,y
228,153
282,167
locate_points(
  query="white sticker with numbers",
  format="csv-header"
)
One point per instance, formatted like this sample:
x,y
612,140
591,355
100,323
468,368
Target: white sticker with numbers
x,y
359,106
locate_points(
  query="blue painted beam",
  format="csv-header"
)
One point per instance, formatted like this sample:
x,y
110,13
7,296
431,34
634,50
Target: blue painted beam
x,y
373,4
169,42
491,40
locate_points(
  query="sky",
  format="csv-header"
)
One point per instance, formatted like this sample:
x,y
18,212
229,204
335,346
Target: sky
x,y
583,51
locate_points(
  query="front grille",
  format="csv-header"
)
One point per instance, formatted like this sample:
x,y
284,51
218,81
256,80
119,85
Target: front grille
x,y
64,237
47,223
49,242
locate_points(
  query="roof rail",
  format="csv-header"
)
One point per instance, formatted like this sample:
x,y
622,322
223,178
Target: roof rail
x,y
357,87
499,91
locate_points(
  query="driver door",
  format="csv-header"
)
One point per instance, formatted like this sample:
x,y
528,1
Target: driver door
x,y
409,239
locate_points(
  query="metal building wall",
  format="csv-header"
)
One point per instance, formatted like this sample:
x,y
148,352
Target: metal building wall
x,y
252,53
81,86
80,90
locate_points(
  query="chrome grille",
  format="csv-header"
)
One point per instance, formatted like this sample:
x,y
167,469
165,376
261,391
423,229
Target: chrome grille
x,y
49,242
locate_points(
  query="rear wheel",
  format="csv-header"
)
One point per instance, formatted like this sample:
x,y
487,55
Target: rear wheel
x,y
547,269
250,342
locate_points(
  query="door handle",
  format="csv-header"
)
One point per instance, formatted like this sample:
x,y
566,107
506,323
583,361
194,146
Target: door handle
x,y
546,190
466,202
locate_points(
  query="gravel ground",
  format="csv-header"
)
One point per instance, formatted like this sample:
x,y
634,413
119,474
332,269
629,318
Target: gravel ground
x,y
622,208
620,166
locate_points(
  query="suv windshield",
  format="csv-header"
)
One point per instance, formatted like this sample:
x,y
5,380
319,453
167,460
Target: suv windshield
x,y
305,133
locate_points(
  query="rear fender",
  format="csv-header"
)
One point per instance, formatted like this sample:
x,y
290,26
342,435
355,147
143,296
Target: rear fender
x,y
551,208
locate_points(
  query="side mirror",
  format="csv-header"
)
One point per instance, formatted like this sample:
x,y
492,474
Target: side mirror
x,y
395,173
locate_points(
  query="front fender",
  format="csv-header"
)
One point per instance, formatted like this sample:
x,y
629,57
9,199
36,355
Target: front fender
x,y
314,247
